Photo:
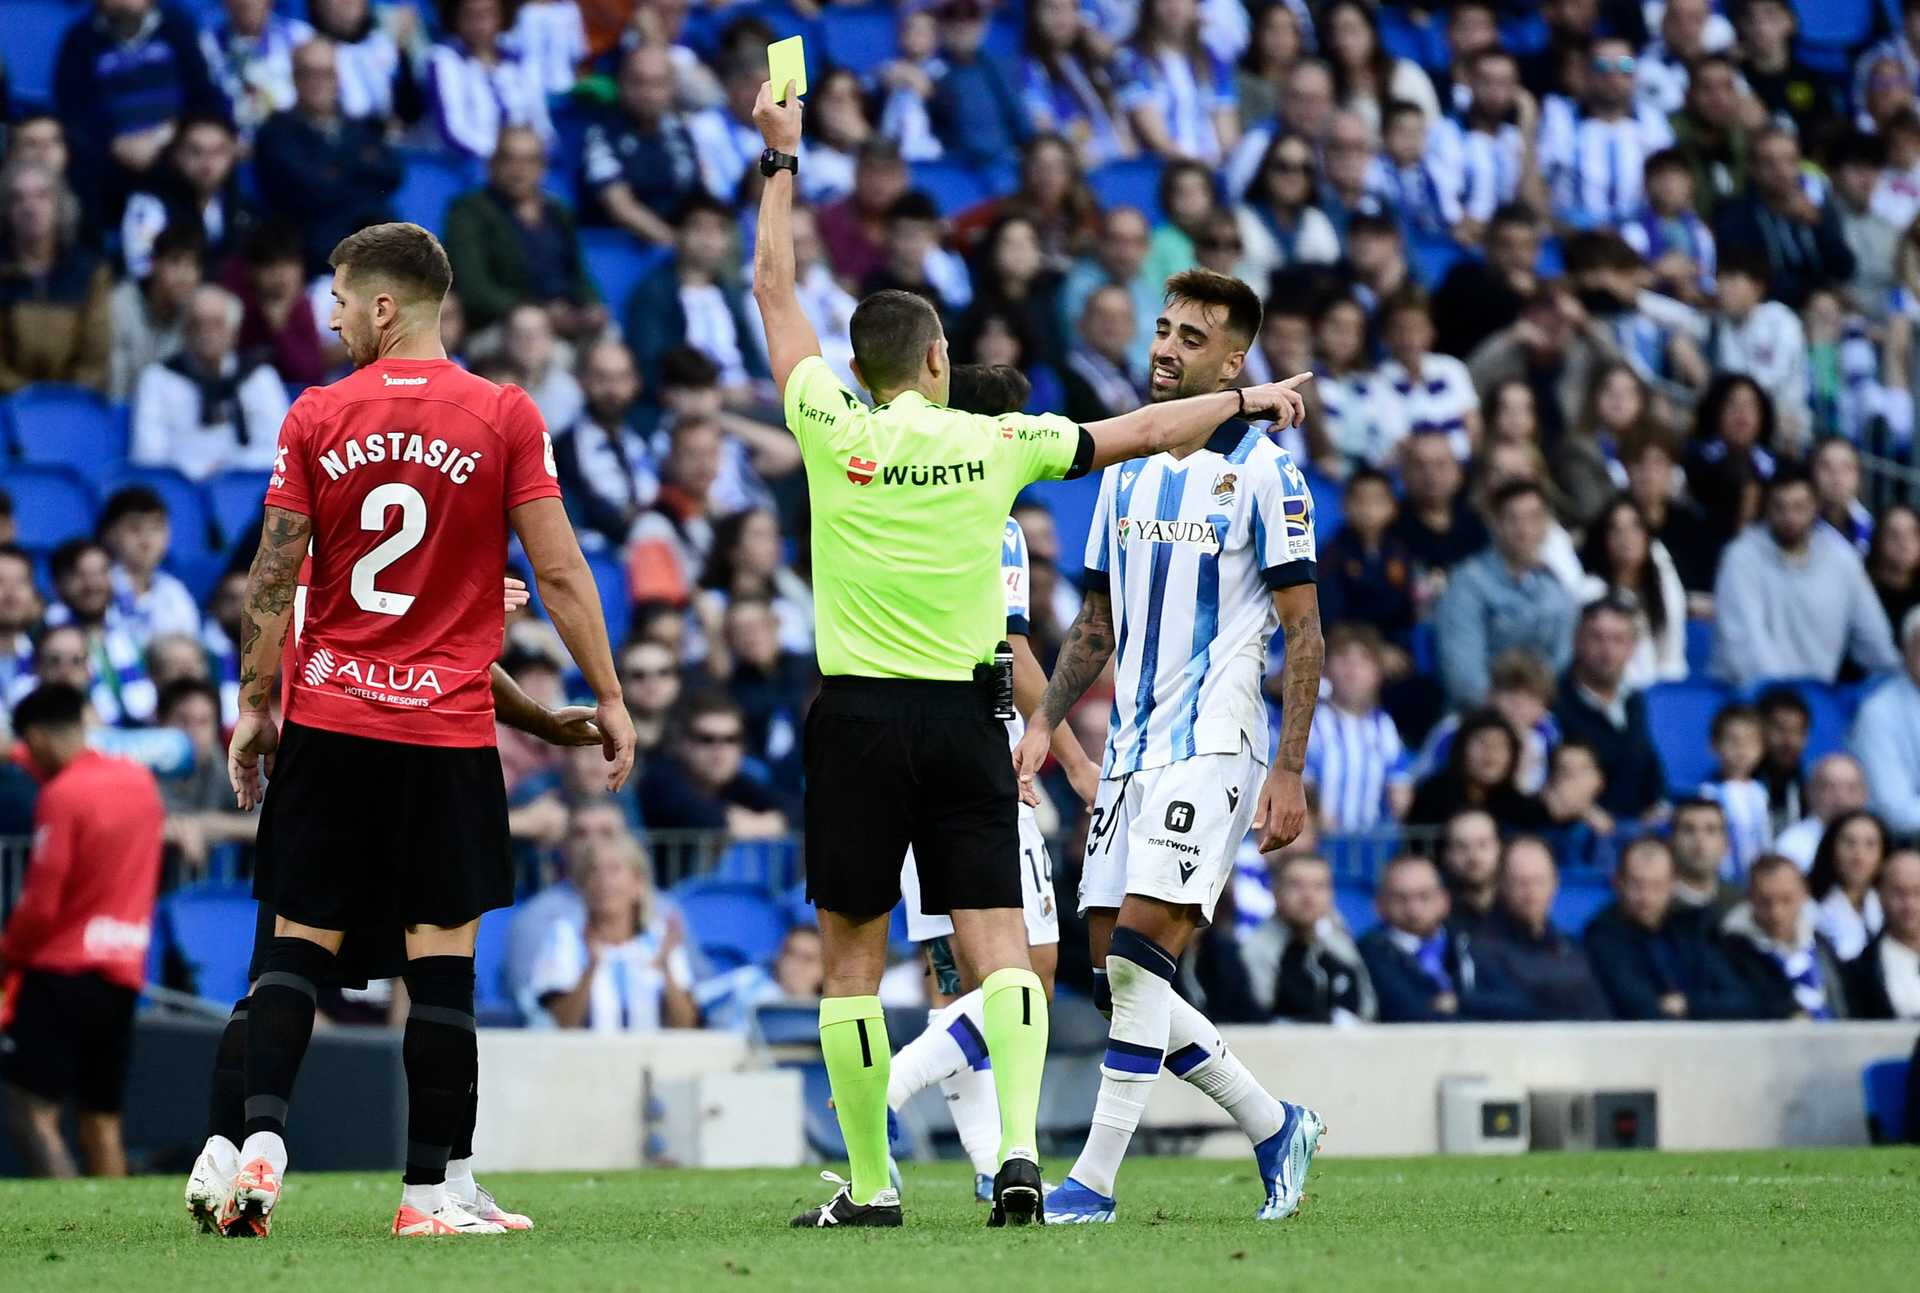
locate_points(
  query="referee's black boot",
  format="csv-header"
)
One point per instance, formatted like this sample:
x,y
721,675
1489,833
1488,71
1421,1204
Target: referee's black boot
x,y
841,1210
1016,1194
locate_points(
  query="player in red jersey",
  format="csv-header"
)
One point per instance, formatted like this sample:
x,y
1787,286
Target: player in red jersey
x,y
386,805
364,955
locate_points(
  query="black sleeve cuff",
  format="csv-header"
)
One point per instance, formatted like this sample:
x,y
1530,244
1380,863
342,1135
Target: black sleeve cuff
x,y
1017,625
1082,457
1095,581
1288,575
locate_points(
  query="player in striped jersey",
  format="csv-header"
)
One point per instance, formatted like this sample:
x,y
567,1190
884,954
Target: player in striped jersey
x,y
1193,558
952,1050
1355,756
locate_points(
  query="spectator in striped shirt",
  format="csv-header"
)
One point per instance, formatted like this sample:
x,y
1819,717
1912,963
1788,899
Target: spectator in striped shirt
x,y
1354,755
1435,391
1739,744
1669,234
118,685
1491,141
477,83
1410,181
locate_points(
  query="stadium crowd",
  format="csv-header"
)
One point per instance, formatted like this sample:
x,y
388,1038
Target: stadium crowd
x,y
1610,307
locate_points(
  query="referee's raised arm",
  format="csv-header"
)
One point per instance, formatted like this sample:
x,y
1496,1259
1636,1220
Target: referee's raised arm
x,y
790,336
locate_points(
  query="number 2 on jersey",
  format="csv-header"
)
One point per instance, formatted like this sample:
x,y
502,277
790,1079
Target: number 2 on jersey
x,y
413,528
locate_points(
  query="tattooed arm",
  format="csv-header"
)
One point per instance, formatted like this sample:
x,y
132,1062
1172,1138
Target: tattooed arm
x,y
1088,647
1282,812
263,631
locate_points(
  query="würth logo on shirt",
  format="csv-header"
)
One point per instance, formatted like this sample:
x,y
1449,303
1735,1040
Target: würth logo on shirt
x,y
860,470
390,380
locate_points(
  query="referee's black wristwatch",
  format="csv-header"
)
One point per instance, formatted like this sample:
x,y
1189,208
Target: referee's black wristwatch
x,y
771,161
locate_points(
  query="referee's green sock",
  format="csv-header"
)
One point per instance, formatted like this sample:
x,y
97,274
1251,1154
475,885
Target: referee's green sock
x,y
853,1038
1016,1029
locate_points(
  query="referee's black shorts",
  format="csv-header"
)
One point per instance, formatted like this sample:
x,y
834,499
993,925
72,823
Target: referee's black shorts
x,y
893,762
359,834
69,1036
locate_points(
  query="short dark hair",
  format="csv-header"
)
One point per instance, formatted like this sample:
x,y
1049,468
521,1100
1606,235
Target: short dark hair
x,y
1204,287
1357,635
1515,213
1856,148
1746,260
1396,109
1512,491
15,552
1368,476
891,332
181,690
1785,476
991,389
51,704
1371,222
1407,297
685,367
67,556
1698,804
1610,603
1727,715
274,243
1775,700
180,238
706,704
703,203
1767,864
1571,747
1667,159
914,205
130,500
405,253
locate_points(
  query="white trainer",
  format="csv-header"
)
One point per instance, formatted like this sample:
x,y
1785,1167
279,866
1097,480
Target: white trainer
x,y
207,1184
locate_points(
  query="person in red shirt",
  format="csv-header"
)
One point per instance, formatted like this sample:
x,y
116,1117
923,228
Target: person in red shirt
x,y
385,805
73,957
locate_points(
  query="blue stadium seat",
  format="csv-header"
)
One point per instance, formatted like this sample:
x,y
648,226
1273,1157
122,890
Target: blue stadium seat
x,y
1582,894
1830,706
1431,257
67,426
617,261
1838,23
742,919
200,571
1699,646
1004,36
237,498
1524,35
953,186
50,505
1071,503
1133,183
1831,62
1885,1085
858,37
1328,512
786,1023
211,928
1353,899
34,31
615,599
492,1003
428,181
1681,714
186,504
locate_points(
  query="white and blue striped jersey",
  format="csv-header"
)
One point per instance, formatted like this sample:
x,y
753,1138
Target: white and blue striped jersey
x,y
1487,167
1425,195
1595,169
1190,550
1353,758
1015,574
1749,823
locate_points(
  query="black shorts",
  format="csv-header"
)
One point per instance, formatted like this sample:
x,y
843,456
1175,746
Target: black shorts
x,y
69,1036
894,762
359,834
364,955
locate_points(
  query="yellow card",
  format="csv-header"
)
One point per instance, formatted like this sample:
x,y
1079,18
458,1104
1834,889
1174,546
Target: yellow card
x,y
787,61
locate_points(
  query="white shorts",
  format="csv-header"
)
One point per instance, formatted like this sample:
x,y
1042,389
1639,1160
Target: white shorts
x,y
1036,891
1171,833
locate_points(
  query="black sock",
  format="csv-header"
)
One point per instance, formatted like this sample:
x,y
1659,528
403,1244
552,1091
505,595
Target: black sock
x,y
227,1089
443,1063
279,1026
463,1134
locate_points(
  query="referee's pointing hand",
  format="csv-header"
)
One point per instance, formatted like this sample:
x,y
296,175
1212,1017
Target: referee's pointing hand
x,y
1280,401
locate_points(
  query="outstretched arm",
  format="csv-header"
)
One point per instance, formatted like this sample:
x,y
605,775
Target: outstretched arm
x,y
264,614
1282,813
790,337
1088,647
571,725
1159,427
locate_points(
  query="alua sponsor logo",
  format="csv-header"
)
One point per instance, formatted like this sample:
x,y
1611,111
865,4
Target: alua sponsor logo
x,y
363,676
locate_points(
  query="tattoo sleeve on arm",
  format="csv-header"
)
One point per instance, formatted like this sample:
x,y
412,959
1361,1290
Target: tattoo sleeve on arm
x,y
1300,675
1085,653
271,582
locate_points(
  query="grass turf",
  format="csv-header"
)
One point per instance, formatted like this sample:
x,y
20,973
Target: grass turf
x,y
1785,1219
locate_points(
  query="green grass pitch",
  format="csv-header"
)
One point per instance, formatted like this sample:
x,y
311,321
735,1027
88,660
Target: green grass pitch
x,y
1781,1219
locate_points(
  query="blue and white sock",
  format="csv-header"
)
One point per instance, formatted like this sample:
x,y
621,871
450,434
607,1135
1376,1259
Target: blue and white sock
x,y
1197,1055
975,1106
953,1042
1141,976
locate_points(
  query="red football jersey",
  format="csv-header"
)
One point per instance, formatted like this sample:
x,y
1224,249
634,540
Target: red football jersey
x,y
407,469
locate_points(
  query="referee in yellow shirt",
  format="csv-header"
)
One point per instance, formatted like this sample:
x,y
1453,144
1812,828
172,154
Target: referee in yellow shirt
x,y
905,745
